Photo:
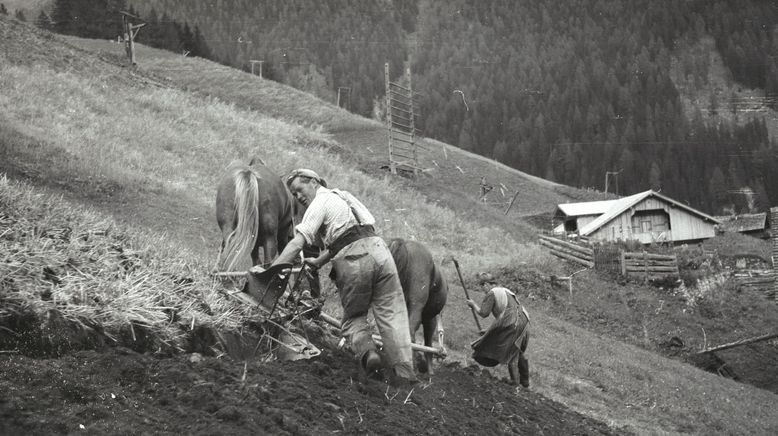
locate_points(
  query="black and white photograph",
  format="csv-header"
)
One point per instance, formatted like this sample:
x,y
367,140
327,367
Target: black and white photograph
x,y
389,217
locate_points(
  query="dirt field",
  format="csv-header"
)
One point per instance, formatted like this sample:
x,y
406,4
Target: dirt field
x,y
120,391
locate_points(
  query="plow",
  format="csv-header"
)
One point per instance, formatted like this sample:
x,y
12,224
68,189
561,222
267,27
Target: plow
x,y
275,292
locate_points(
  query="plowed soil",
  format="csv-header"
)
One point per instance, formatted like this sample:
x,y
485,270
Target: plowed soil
x,y
119,391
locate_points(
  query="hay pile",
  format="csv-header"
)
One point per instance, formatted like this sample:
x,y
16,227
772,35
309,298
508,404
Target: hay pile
x,y
66,268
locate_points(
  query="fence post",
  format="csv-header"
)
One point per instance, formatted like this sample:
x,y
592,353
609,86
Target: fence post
x,y
623,259
774,231
645,265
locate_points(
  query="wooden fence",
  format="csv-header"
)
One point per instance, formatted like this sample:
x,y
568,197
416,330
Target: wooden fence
x,y
774,232
607,258
756,280
569,251
649,265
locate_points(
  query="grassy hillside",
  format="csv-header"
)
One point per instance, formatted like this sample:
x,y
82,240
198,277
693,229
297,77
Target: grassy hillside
x,y
142,149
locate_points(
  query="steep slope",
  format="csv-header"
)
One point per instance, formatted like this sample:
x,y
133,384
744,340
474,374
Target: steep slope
x,y
451,177
94,131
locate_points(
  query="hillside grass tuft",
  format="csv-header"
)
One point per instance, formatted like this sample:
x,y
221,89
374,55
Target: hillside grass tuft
x,y
58,258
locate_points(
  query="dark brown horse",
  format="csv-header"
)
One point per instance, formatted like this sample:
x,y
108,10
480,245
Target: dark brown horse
x,y
253,210
425,291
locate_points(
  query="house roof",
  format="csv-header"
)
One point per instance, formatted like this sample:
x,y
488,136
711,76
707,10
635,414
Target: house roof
x,y
586,208
613,208
744,222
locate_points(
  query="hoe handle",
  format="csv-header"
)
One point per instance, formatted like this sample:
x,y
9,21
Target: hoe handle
x,y
459,273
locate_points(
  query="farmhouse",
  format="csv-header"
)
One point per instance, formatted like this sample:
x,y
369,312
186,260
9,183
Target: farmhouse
x,y
646,217
753,224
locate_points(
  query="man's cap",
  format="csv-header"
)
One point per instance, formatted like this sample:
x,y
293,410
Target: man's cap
x,y
304,172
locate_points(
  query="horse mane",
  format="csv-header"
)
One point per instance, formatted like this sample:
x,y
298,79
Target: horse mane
x,y
240,242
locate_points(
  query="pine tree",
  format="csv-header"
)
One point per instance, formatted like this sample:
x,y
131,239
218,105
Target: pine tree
x,y
655,177
62,17
717,189
20,15
3,9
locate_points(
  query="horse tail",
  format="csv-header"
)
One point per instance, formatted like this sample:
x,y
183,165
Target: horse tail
x,y
241,241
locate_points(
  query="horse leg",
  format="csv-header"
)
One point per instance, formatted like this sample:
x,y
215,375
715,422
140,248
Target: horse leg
x,y
268,234
430,326
269,249
414,321
440,333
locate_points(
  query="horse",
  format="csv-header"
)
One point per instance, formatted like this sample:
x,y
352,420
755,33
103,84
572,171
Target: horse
x,y
425,292
253,209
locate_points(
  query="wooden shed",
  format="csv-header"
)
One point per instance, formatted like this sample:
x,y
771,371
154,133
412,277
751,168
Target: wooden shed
x,y
752,224
646,217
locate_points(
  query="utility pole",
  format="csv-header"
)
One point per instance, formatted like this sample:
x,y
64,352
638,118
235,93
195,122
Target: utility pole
x,y
260,67
612,173
130,32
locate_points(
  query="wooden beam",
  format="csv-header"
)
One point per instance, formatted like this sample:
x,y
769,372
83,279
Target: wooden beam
x,y
399,86
585,250
649,263
417,347
637,269
739,343
634,255
402,140
582,256
574,258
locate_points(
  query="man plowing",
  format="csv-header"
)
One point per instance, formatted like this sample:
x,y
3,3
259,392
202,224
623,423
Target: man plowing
x,y
362,269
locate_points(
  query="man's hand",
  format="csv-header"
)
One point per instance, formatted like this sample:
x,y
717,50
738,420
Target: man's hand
x,y
312,262
318,262
256,269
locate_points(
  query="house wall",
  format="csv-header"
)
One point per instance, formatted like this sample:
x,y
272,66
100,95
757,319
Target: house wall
x,y
585,219
682,226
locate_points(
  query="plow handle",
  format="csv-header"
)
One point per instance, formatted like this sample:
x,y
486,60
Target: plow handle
x,y
475,316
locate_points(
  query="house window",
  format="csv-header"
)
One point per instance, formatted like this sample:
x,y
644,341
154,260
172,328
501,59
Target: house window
x,y
650,221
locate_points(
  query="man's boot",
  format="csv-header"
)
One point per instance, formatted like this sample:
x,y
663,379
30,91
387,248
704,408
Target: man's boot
x,y
524,371
371,362
404,375
513,370
364,350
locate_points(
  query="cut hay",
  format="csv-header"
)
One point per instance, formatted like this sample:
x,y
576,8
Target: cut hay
x,y
57,258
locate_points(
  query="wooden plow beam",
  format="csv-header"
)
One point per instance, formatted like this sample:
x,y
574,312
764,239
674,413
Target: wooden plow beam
x,y
417,347
264,290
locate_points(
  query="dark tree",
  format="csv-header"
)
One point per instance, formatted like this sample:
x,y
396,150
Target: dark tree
x,y
43,21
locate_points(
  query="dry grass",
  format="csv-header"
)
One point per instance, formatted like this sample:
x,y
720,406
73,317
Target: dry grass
x,y
92,271
176,142
208,78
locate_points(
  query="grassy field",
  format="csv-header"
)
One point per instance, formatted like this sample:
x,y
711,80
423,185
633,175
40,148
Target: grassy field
x,y
143,153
